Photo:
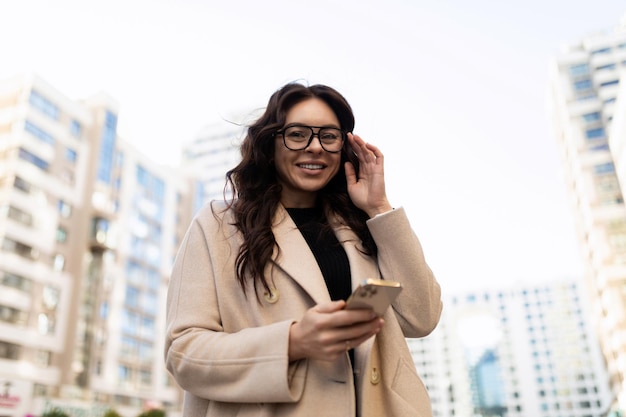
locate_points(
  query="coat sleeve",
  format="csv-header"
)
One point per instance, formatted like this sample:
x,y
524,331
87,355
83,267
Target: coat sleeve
x,y
250,365
401,258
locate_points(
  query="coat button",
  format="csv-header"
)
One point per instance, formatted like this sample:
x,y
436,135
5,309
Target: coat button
x,y
271,297
375,376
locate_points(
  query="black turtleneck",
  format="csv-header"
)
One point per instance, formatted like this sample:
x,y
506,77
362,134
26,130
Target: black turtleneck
x,y
329,254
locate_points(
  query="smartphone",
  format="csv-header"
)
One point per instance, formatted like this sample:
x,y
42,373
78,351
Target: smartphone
x,y
375,294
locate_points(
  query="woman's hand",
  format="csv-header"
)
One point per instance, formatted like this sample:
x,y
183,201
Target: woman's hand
x,y
368,190
327,331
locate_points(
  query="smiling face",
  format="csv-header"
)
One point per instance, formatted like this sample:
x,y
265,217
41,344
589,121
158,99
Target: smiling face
x,y
303,173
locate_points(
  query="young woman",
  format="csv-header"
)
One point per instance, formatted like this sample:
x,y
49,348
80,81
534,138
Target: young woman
x,y
256,324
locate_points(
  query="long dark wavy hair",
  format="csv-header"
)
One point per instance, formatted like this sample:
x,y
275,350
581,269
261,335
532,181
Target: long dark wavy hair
x,y
256,190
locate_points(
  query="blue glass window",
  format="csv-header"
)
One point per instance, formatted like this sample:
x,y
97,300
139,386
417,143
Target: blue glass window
x,y
130,322
605,168
75,128
43,104
124,373
132,297
591,117
606,67
607,83
104,310
599,148
601,51
70,154
33,159
583,85
38,132
153,279
579,69
107,148
595,133
149,303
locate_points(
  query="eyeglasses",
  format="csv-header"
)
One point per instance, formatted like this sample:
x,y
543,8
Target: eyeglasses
x,y
297,137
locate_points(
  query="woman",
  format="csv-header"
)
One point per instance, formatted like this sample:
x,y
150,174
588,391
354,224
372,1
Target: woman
x,y
256,324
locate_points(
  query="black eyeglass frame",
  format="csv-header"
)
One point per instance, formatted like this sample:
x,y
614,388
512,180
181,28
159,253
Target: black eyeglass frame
x,y
313,134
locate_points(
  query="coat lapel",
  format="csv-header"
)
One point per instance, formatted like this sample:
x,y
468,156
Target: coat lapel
x,y
361,266
296,259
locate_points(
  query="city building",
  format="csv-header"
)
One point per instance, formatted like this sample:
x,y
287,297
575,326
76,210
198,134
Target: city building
x,y
208,157
88,231
588,114
525,350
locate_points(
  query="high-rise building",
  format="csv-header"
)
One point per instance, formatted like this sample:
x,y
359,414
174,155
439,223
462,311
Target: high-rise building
x,y
208,157
525,350
584,95
88,231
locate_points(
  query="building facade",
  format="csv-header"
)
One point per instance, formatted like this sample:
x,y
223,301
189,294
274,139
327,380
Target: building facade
x,y
584,95
208,157
88,231
526,350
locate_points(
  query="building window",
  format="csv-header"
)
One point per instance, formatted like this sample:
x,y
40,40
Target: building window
x,y
609,83
107,148
9,351
132,297
70,155
75,128
606,67
21,185
65,210
43,104
13,315
591,117
18,282
579,69
595,133
45,324
601,51
58,264
145,377
20,249
604,168
33,159
130,322
61,235
50,297
583,85
124,373
17,215
38,132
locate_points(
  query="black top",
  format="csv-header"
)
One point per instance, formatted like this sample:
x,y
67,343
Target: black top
x,y
328,252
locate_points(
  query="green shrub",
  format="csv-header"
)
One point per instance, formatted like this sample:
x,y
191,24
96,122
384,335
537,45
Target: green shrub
x,y
152,413
112,413
55,412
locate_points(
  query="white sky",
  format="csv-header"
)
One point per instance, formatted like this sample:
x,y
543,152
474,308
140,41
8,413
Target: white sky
x,y
452,91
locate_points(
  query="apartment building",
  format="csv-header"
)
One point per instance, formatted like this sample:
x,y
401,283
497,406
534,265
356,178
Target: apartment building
x,y
519,351
208,157
88,230
586,86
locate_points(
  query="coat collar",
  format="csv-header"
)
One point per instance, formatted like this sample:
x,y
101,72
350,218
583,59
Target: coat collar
x,y
296,259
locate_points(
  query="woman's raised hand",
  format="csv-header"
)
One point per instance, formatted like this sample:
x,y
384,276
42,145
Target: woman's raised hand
x,y
367,190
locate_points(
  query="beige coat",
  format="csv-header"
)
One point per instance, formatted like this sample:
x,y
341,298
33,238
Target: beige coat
x,y
229,352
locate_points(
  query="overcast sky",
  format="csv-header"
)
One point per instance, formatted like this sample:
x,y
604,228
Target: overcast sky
x,y
453,92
